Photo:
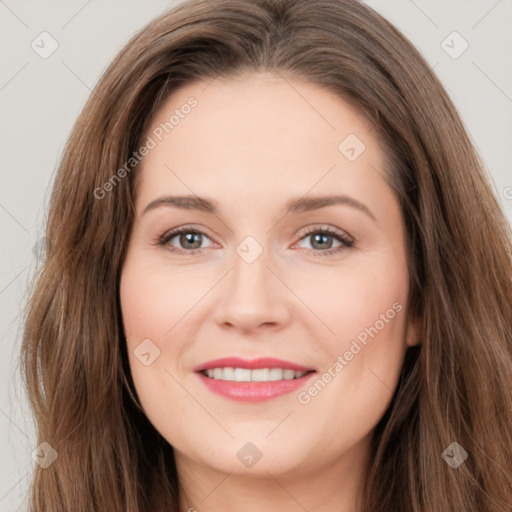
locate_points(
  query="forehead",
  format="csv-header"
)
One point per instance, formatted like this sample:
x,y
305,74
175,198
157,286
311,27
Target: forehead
x,y
258,133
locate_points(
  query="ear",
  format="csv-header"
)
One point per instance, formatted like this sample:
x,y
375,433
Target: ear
x,y
413,330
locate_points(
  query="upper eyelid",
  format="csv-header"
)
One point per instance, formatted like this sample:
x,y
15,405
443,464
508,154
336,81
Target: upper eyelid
x,y
327,229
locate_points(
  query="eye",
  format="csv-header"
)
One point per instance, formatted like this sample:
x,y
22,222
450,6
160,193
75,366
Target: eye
x,y
322,240
189,240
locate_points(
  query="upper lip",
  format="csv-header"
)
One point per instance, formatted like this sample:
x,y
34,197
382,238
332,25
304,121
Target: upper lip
x,y
261,362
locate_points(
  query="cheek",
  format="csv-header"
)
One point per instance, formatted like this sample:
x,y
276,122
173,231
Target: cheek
x,y
364,302
367,310
150,309
154,299
365,305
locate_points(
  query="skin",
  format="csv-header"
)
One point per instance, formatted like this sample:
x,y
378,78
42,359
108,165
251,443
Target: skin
x,y
251,144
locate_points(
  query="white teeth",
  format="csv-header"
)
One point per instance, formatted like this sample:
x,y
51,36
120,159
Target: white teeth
x,y
228,374
257,375
242,375
288,374
276,374
260,375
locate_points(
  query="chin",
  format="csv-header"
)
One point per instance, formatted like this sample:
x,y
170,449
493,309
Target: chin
x,y
254,456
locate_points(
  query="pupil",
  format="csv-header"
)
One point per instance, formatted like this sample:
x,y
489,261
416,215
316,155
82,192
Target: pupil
x,y
320,238
191,238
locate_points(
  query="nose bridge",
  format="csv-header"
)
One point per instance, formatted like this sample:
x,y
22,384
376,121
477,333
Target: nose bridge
x,y
251,276
252,296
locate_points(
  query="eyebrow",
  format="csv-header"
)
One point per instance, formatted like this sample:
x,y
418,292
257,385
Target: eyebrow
x,y
297,205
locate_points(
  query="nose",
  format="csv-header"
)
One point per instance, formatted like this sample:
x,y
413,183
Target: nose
x,y
253,298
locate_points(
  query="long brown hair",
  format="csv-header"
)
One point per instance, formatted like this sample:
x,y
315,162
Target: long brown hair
x,y
455,387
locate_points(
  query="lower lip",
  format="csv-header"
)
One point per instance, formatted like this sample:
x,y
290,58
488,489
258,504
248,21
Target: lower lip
x,y
253,391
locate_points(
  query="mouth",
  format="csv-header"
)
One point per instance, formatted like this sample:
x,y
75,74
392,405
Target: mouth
x,y
257,375
252,381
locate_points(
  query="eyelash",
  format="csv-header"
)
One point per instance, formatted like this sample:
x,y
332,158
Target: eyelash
x,y
346,242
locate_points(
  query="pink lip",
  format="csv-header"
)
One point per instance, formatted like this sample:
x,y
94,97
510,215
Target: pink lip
x,y
262,362
252,391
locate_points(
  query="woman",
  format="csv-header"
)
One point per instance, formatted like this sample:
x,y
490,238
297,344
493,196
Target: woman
x,y
368,370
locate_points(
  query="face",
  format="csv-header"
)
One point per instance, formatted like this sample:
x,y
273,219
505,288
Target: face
x,y
269,334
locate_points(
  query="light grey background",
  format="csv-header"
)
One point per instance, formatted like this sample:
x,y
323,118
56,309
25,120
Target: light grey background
x,y
41,98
